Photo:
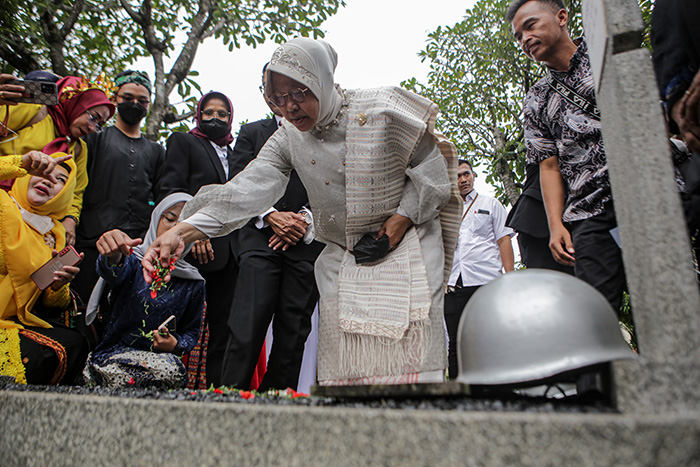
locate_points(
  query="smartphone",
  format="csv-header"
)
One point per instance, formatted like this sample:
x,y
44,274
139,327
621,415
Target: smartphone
x,y
43,277
36,92
169,324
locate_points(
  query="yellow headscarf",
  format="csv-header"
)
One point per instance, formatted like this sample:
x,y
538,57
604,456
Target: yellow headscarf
x,y
25,250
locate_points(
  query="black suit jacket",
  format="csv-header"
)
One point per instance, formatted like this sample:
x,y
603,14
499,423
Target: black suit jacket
x,y
191,163
675,41
251,139
528,215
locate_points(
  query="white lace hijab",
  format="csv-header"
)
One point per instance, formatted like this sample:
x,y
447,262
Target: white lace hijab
x,y
312,63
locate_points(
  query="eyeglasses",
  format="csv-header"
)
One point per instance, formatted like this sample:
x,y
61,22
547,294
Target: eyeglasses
x,y
269,101
129,98
92,119
298,96
219,113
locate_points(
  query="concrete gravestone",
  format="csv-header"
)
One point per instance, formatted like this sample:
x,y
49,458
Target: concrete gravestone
x,y
658,394
656,250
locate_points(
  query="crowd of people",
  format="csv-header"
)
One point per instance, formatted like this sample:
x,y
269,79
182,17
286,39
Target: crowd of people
x,y
347,202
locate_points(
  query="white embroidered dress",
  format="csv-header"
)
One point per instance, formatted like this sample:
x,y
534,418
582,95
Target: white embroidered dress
x,y
386,324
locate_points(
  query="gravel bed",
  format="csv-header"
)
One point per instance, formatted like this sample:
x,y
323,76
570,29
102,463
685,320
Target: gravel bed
x,y
223,395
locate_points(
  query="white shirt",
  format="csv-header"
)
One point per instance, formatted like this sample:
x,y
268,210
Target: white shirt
x,y
222,152
477,256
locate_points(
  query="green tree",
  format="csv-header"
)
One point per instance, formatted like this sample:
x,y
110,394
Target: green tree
x,y
479,77
84,36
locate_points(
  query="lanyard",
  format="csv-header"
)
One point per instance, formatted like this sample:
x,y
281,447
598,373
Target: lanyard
x,y
573,97
466,211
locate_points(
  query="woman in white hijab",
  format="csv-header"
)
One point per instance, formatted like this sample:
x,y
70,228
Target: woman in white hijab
x,y
372,166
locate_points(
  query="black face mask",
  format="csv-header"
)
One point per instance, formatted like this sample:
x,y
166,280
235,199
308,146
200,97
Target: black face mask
x,y
132,112
214,128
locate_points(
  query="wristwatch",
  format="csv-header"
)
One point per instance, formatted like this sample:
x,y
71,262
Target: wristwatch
x,y
307,217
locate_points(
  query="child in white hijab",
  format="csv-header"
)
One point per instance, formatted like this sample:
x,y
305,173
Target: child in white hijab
x,y
135,349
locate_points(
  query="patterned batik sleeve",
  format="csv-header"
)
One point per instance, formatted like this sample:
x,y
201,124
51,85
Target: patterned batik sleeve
x,y
539,141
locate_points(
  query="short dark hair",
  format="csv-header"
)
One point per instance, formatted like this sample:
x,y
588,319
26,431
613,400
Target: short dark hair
x,y
465,161
515,5
263,72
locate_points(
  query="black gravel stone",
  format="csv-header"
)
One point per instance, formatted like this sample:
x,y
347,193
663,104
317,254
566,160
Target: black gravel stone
x,y
510,404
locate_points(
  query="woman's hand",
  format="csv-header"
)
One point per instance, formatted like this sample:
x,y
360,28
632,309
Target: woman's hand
x,y
69,224
167,246
202,251
115,243
9,91
64,275
41,165
395,227
163,341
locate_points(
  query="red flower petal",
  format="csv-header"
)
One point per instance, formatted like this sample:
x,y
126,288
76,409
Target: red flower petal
x,y
247,395
131,381
154,294
218,391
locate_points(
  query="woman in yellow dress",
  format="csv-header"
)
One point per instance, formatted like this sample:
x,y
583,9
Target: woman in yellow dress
x,y
83,108
31,349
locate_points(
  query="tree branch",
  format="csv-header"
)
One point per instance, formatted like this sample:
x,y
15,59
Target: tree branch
x,y
183,63
172,117
138,19
217,27
18,56
68,25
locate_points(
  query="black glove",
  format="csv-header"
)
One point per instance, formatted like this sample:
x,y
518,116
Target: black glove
x,y
370,249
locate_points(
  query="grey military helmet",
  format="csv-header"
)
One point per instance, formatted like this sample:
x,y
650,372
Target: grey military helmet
x,y
533,324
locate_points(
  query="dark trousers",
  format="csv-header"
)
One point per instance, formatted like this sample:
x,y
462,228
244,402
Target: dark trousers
x,y
269,283
40,361
535,253
454,306
220,286
598,259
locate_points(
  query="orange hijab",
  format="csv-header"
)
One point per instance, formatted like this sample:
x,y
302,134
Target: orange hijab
x,y
24,248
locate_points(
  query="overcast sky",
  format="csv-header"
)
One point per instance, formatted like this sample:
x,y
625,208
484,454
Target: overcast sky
x,y
377,42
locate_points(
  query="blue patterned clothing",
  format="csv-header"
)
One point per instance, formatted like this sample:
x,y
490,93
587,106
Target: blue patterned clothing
x,y
135,313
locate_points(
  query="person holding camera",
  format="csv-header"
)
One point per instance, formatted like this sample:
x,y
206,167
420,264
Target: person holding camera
x,y
9,93
83,108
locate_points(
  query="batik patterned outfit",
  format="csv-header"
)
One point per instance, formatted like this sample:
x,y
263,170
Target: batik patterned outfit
x,y
556,127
